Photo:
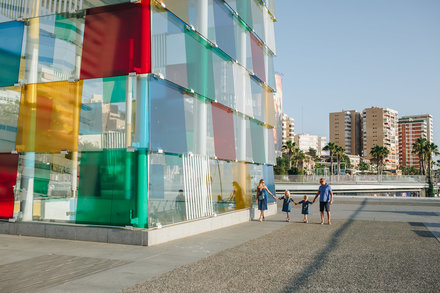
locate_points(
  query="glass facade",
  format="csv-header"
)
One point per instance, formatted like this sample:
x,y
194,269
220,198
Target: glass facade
x,y
135,114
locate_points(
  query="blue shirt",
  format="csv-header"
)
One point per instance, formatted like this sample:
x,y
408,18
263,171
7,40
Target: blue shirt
x,y
324,193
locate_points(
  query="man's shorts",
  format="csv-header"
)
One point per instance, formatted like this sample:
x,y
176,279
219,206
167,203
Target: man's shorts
x,y
324,205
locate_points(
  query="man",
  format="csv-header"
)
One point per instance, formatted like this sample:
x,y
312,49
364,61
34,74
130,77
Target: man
x,y
325,199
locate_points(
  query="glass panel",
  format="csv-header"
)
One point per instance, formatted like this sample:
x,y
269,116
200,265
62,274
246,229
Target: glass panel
x,y
57,48
103,114
258,58
166,202
270,147
242,84
222,188
257,173
49,117
223,132
269,181
9,107
224,81
167,35
54,186
258,147
258,100
242,138
25,9
269,107
116,41
224,28
270,71
269,32
8,178
242,192
107,187
167,120
199,129
11,38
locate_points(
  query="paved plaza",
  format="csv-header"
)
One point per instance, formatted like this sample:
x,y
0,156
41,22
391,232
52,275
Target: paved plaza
x,y
373,245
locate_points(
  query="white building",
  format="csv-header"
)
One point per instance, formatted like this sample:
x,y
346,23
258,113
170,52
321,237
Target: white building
x,y
307,141
288,128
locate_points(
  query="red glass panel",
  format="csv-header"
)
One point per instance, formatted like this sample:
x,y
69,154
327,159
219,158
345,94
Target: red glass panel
x,y
223,123
258,58
8,177
117,40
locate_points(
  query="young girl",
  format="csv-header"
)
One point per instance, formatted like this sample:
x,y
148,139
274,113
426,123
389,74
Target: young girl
x,y
286,203
305,207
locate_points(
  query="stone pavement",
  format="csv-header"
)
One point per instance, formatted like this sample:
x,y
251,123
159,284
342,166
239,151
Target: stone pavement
x,y
373,245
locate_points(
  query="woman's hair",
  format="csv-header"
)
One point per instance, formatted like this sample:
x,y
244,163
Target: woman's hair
x,y
286,192
259,183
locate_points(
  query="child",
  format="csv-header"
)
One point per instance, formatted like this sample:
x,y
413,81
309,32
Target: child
x,y
286,203
305,207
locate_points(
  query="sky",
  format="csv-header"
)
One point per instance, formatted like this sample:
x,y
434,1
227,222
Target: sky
x,y
353,54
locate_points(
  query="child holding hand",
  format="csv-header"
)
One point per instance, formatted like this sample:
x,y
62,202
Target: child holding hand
x,y
305,207
286,203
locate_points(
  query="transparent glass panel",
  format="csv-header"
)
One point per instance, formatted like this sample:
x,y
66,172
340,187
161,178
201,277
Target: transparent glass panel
x,y
269,107
103,116
258,145
243,146
199,129
167,120
166,202
270,145
11,39
49,117
222,177
242,85
224,81
269,32
53,48
116,41
54,186
9,108
167,34
107,189
270,71
8,177
26,9
258,100
242,190
223,132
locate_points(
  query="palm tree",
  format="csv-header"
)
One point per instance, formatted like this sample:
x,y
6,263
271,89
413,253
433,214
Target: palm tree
x,y
330,147
339,152
379,153
299,158
289,148
430,150
419,149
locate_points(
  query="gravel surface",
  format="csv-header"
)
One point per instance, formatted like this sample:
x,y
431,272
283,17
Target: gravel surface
x,y
347,256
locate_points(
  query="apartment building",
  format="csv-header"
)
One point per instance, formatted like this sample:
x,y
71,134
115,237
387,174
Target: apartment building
x,y
307,141
410,129
345,131
288,128
379,127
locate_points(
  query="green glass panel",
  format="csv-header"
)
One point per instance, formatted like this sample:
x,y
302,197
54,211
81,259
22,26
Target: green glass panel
x,y
114,89
107,187
65,29
199,65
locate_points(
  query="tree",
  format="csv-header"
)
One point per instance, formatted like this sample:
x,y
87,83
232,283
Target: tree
x,y
339,152
299,159
289,149
281,167
364,166
419,149
379,154
330,147
430,150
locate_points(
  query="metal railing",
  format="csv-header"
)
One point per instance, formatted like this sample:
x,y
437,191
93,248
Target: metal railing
x,y
348,179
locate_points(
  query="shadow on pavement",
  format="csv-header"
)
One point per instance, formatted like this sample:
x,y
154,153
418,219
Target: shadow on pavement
x,y
424,233
416,213
307,274
420,224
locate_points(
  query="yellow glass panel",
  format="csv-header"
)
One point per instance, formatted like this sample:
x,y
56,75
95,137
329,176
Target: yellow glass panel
x,y
242,185
49,117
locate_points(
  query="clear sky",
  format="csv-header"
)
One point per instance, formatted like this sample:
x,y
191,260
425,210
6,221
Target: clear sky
x,y
354,54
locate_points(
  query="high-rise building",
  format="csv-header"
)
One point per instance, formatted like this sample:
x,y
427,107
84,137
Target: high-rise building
x,y
135,113
410,129
307,141
379,127
288,127
345,131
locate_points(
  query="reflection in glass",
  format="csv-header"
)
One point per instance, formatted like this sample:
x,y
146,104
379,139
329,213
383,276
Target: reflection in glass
x,y
9,108
11,38
8,177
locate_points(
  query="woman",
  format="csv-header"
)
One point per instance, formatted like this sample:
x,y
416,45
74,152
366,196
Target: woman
x,y
262,198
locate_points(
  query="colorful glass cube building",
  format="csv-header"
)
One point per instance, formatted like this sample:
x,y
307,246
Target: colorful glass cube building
x,y
142,113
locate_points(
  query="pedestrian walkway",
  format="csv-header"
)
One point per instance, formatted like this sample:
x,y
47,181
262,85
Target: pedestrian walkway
x,y
372,245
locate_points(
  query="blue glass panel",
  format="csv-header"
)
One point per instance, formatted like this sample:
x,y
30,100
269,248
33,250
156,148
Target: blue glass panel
x,y
167,121
269,180
11,38
224,28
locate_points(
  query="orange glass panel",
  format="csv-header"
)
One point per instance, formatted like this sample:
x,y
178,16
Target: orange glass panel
x,y
49,117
